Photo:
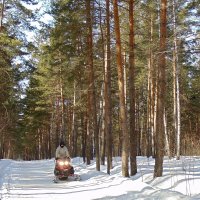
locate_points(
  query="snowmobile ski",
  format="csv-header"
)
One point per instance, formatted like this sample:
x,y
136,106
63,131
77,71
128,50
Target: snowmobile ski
x,y
72,177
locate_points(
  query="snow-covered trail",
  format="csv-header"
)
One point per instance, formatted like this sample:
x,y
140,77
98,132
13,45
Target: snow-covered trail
x,y
19,178
5,174
32,180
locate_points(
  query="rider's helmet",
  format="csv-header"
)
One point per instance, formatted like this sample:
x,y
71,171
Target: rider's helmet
x,y
62,143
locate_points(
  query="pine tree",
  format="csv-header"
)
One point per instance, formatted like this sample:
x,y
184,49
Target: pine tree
x,y
158,169
123,113
13,47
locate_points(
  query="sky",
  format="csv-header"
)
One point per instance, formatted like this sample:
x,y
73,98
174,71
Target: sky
x,y
33,180
44,18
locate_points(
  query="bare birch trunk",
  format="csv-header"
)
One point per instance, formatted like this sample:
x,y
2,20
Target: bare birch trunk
x,y
176,91
152,95
154,117
166,135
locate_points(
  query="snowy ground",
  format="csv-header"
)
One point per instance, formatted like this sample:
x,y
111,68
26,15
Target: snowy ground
x,y
32,180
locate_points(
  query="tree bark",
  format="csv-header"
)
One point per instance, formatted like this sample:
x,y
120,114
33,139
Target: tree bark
x,y
160,149
74,126
151,93
123,116
91,88
63,125
101,120
83,136
176,87
166,136
107,91
133,132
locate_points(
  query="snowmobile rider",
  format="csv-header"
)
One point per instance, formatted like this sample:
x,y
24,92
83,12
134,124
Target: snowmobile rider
x,y
62,151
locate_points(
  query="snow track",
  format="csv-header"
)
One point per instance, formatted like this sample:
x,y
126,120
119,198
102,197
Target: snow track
x,y
33,180
28,180
5,178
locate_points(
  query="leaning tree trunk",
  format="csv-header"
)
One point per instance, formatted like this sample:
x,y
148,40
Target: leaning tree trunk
x,y
123,116
160,149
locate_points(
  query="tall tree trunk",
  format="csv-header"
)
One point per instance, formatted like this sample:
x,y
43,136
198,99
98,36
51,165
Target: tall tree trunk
x,y
101,121
49,153
124,62
154,114
52,136
133,133
88,139
151,93
74,129
63,124
107,91
91,88
123,115
154,76
176,87
83,136
102,129
149,103
166,135
160,149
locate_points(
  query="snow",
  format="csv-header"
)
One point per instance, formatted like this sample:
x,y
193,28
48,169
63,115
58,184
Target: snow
x,y
33,180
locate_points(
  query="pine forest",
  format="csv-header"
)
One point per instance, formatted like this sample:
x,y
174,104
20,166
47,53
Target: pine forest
x,y
110,77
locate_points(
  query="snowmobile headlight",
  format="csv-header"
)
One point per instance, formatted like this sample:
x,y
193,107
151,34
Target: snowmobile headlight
x,y
66,162
61,163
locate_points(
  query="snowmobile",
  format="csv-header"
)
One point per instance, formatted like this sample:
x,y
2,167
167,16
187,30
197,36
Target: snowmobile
x,y
64,169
